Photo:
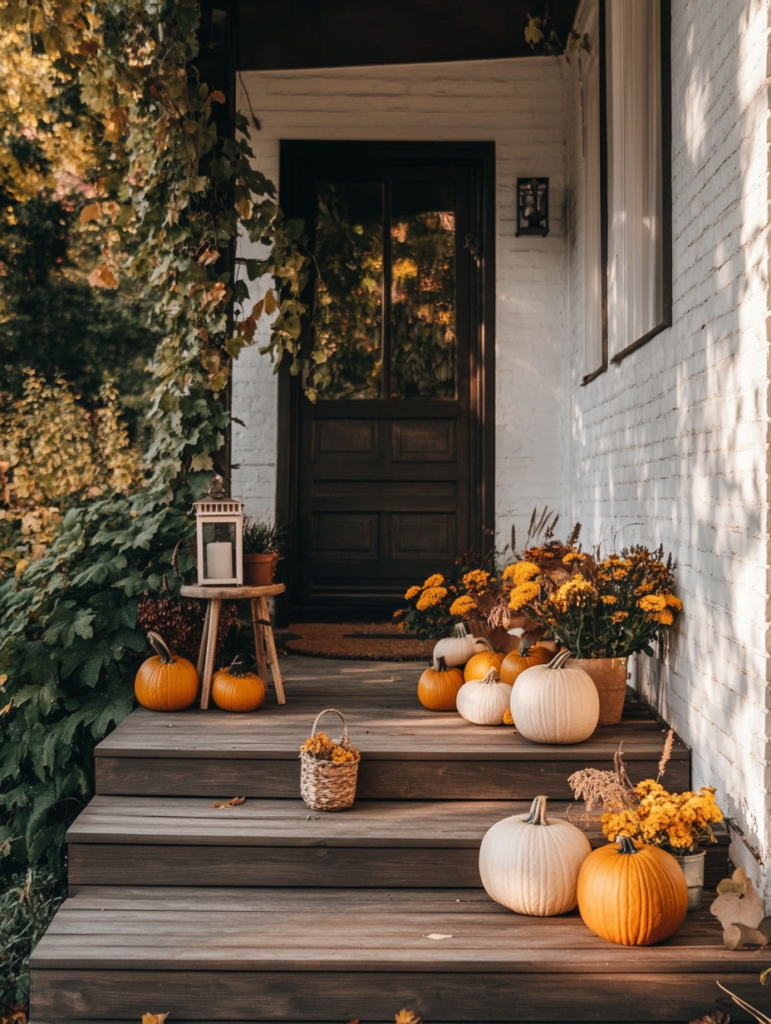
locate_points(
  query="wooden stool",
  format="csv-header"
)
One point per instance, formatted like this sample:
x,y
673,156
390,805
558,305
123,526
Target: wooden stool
x,y
263,631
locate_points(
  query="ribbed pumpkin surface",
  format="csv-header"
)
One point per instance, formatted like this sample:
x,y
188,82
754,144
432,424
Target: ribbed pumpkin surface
x,y
633,899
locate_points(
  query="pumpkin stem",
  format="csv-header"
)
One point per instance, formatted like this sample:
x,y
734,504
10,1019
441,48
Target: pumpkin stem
x,y
625,845
440,665
238,667
492,676
460,630
560,659
537,815
485,642
160,647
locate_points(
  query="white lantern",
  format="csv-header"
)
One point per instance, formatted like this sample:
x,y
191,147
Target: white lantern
x,y
220,528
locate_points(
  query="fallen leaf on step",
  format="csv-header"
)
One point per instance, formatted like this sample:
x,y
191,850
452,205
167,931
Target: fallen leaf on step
x,y
437,935
226,803
154,1018
408,1017
354,1021
718,1017
740,911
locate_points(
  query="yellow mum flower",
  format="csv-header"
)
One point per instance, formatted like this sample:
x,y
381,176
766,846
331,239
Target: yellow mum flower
x,y
617,617
477,579
520,572
463,606
609,599
431,597
652,603
522,595
666,618
412,592
572,556
507,717
674,602
576,593
434,581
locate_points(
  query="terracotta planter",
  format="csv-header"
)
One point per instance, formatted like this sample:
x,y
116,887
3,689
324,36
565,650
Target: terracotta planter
x,y
609,676
260,570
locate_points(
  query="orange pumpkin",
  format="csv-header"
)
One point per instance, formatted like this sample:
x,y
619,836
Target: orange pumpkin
x,y
165,682
516,662
236,689
438,687
632,894
478,666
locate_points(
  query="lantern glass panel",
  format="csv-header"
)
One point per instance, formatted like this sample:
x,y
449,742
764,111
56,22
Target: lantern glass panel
x,y
219,551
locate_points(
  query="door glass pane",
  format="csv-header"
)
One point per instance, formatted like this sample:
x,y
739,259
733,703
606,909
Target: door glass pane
x,y
347,310
423,340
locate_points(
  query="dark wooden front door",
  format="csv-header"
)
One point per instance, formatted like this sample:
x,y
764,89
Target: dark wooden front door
x,y
387,477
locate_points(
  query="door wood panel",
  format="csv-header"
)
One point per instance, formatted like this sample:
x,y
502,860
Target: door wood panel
x,y
380,492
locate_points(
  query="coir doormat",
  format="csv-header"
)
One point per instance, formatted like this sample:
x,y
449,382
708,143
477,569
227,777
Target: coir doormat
x,y
375,641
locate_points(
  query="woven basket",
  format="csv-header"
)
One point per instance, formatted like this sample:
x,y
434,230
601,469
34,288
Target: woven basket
x,y
324,785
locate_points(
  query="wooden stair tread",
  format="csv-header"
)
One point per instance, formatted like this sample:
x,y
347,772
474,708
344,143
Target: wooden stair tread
x,y
279,930
392,823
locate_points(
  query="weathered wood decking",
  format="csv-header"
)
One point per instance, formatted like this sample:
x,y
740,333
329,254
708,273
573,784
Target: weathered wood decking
x,y
270,912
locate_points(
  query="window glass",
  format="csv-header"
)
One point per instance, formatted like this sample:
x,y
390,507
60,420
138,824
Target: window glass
x,y
347,311
423,342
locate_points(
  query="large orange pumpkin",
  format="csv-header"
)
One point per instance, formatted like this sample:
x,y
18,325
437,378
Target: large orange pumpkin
x,y
438,687
236,689
632,894
516,662
165,682
478,666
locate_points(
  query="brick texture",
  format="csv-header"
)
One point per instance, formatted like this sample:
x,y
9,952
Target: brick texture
x,y
671,446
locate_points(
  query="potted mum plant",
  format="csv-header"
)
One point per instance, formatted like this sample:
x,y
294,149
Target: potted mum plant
x,y
262,540
601,610
647,813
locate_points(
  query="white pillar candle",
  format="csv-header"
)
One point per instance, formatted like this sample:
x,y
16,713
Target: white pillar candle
x,y
219,560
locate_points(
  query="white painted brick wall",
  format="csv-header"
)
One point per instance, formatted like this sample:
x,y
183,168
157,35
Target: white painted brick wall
x,y
519,104
671,446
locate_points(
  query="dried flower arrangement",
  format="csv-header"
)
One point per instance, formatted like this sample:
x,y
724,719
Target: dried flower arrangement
x,y
647,812
322,748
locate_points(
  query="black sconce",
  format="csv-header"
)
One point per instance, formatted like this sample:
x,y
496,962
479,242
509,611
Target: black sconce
x,y
532,206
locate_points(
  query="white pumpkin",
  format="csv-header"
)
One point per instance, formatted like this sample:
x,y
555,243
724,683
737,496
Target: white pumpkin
x,y
530,863
483,701
553,704
458,648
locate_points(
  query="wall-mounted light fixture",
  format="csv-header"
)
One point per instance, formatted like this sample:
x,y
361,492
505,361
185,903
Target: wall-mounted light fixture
x,y
532,206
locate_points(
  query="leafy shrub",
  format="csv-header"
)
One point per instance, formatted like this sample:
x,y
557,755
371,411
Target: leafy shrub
x,y
55,452
26,909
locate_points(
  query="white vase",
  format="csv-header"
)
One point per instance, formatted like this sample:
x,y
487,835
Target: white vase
x,y
692,865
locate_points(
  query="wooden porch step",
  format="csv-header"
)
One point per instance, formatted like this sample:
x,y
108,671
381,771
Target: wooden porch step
x,y
187,841
408,753
308,955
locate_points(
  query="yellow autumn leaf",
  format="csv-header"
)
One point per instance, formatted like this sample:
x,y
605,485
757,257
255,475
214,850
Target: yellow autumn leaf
x,y
154,1018
102,277
408,1017
269,302
93,211
229,803
244,208
115,123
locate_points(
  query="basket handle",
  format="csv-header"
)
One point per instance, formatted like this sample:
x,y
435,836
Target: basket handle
x,y
343,741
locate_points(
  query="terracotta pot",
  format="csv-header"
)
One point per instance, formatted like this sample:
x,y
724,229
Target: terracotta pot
x,y
260,570
609,676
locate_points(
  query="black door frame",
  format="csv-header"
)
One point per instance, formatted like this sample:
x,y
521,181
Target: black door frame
x,y
479,157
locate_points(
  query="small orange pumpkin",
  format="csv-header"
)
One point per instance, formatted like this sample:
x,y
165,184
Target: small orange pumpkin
x,y
478,666
236,689
516,662
165,682
632,894
438,686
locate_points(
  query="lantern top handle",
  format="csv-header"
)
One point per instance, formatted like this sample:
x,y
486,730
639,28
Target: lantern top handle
x,y
216,502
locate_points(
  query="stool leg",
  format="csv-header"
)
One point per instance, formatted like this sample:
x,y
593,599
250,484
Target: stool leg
x,y
204,637
211,647
272,655
259,641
